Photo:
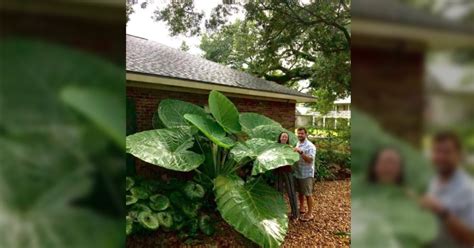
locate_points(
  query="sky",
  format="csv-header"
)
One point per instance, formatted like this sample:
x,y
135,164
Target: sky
x,y
141,24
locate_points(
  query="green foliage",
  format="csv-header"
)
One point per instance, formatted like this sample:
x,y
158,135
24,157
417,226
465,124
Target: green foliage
x,y
194,190
224,111
171,112
167,207
267,155
53,154
250,121
128,10
184,47
148,220
265,209
384,216
205,225
223,150
159,202
168,148
211,129
182,14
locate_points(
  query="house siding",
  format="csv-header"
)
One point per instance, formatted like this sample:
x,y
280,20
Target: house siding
x,y
388,85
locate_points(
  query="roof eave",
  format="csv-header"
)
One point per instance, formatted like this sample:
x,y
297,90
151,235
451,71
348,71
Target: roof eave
x,y
160,80
433,38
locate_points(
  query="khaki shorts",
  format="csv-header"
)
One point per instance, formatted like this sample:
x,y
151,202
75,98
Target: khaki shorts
x,y
304,186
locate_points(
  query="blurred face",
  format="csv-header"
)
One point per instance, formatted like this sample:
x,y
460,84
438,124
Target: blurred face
x,y
301,135
388,167
284,138
445,157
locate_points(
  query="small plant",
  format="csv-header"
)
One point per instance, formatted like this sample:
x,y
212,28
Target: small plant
x,y
217,146
168,206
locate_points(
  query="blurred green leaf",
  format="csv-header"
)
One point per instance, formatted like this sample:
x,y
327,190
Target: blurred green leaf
x,y
48,159
101,107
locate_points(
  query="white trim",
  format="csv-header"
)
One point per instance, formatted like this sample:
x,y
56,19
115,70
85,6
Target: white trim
x,y
157,80
432,37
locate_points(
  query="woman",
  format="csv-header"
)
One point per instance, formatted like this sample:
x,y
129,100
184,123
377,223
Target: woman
x,y
386,167
285,178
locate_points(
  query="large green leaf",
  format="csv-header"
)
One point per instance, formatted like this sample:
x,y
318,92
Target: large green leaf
x,y
100,107
253,209
171,112
40,214
224,111
50,157
268,155
249,121
271,132
167,148
384,216
211,129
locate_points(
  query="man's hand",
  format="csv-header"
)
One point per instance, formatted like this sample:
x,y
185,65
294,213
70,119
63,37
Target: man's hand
x,y
432,204
298,150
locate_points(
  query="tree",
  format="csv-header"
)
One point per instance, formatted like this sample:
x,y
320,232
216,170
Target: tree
x,y
128,10
281,41
184,47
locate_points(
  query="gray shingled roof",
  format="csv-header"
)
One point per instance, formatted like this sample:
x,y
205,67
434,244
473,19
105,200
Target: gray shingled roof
x,y
397,12
150,57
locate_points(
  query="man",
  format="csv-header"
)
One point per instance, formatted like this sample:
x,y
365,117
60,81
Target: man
x,y
451,194
304,173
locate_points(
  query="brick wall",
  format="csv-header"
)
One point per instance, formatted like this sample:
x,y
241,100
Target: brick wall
x,y
387,83
147,100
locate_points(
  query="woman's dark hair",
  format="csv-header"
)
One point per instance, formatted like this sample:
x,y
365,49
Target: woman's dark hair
x,y
279,137
372,177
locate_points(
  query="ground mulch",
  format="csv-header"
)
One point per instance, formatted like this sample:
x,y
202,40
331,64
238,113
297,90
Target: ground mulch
x,y
330,227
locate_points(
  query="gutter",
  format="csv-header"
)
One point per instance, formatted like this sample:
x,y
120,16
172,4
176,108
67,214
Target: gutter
x,y
137,79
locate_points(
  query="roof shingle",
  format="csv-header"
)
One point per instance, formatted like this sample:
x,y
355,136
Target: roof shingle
x,y
150,57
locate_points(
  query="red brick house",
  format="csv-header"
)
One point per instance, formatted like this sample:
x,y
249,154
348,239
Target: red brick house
x,y
389,43
156,72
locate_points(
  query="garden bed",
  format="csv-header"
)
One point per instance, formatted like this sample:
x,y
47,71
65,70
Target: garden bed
x,y
330,227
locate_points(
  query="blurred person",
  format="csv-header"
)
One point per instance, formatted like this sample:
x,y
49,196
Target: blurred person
x,y
285,179
451,194
386,167
304,173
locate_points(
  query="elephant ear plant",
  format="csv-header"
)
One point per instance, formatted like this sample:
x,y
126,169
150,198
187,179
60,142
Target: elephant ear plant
x,y
215,145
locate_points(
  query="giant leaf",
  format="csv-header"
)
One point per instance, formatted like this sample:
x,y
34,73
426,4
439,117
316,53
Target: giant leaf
x,y
384,216
100,107
211,129
51,157
271,132
253,209
249,121
171,112
268,155
224,111
167,148
44,213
